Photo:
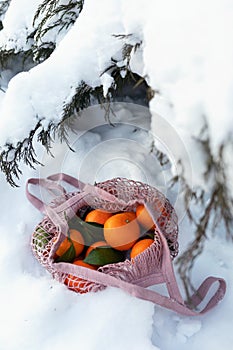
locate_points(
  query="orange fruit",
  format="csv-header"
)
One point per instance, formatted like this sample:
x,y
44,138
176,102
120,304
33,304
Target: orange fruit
x,y
121,230
144,217
95,245
80,262
75,283
98,216
140,246
77,240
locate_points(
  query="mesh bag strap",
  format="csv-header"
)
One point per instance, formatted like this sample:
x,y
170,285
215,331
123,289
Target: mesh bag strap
x,y
51,185
150,295
68,179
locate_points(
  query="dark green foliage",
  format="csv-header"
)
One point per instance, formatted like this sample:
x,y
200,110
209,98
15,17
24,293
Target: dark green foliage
x,y
43,51
12,155
104,255
15,61
49,15
80,100
162,157
130,87
46,136
5,56
3,7
127,51
216,211
84,97
62,16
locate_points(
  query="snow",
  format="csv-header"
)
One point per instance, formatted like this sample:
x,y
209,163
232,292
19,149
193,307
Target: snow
x,y
18,24
212,331
44,314
188,59
187,55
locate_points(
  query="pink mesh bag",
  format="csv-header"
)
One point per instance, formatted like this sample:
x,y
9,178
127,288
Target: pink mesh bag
x,y
153,266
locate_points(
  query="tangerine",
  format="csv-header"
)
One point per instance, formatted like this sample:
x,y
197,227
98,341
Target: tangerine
x,y
80,262
144,217
99,216
76,239
76,283
140,246
121,230
95,245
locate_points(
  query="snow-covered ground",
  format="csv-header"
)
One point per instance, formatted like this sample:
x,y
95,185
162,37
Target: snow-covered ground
x,y
39,313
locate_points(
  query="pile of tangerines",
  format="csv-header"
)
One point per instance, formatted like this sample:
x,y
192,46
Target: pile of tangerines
x,y
123,235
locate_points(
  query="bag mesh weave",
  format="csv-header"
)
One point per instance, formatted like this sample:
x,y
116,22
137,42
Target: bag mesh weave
x,y
128,194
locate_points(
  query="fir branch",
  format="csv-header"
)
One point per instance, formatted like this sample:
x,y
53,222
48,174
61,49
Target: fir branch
x,y
80,100
5,57
43,51
55,15
123,75
128,48
128,86
187,260
218,210
161,157
122,36
9,57
48,5
124,69
216,168
11,156
83,97
127,51
63,128
4,7
46,137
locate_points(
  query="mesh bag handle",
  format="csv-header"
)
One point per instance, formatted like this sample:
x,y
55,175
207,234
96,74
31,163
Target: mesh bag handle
x,y
51,185
140,292
174,302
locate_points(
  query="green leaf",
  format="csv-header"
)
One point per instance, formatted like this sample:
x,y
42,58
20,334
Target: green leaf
x,y
68,256
104,255
82,213
95,224
149,235
91,231
41,238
